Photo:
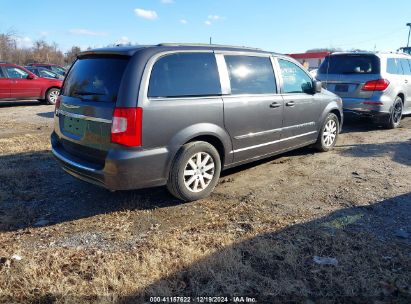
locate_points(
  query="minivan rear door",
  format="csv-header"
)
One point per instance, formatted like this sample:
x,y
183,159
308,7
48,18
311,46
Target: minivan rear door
x,y
88,98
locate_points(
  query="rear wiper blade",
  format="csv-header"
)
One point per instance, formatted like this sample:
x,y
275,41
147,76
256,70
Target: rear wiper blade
x,y
85,93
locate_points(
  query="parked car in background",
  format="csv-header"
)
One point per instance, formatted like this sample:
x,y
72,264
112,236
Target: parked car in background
x,y
52,67
176,115
376,85
42,72
17,83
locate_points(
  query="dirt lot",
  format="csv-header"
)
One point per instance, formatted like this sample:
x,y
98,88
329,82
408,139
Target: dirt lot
x,y
261,234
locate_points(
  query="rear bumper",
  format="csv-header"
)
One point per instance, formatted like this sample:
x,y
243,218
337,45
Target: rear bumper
x,y
376,116
367,107
122,170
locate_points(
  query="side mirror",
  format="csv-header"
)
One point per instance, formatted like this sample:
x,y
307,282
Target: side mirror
x,y
317,86
30,76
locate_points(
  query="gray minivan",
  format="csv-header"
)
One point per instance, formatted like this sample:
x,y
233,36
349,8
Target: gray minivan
x,y
376,85
176,115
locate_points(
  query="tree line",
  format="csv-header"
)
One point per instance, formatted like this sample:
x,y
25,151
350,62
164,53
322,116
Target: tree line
x,y
40,52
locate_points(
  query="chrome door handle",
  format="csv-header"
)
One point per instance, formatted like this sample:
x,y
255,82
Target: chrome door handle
x,y
275,105
290,104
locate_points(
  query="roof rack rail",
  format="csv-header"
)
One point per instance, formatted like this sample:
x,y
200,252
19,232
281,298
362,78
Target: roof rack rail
x,y
209,45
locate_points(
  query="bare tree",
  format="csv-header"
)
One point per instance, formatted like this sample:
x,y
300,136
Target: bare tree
x,y
71,55
41,51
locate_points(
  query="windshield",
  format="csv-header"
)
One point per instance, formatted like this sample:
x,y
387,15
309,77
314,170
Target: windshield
x,y
350,64
48,74
95,78
58,70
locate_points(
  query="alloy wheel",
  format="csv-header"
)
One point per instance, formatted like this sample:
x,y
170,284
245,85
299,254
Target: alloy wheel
x,y
330,133
53,95
199,172
397,112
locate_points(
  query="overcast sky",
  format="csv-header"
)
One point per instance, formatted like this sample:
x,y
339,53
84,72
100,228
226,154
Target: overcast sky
x,y
281,26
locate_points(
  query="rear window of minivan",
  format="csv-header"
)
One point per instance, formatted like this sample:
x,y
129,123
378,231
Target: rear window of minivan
x,y
350,64
95,78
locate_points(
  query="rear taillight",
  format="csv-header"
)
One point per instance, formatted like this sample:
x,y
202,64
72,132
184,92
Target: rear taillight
x,y
126,126
376,85
57,105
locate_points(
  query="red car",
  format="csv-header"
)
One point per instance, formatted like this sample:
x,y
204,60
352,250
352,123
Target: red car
x,y
17,83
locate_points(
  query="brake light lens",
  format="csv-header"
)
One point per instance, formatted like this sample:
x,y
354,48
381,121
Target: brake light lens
x,y
126,127
376,85
57,105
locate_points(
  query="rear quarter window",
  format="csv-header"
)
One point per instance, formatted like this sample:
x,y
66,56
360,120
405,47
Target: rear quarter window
x,y
185,75
394,66
350,64
95,78
406,66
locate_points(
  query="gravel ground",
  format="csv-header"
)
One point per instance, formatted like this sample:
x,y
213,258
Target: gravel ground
x,y
361,190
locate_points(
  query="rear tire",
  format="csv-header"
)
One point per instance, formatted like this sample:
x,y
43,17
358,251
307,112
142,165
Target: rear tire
x,y
52,95
328,134
194,172
394,119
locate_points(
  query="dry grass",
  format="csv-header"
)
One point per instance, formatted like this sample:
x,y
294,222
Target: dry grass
x,y
271,264
234,243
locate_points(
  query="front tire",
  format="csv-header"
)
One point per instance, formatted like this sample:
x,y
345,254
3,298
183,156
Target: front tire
x,y
52,95
195,171
394,120
328,134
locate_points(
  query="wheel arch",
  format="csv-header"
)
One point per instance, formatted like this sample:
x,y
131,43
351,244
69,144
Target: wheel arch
x,y
402,96
332,108
48,89
215,142
211,133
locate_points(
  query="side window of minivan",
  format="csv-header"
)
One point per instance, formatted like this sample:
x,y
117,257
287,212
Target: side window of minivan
x,y
295,80
394,66
185,75
251,75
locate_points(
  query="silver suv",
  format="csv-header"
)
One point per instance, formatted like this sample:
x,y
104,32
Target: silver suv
x,y
377,85
176,115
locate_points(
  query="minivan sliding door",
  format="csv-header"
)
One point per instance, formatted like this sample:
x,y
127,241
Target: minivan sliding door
x,y
253,111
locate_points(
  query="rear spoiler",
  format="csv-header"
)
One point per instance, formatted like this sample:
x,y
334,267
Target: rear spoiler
x,y
112,51
93,53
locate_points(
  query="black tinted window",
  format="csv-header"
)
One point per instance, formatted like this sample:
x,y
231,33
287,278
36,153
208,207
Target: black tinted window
x,y
186,74
394,66
95,78
406,67
295,80
251,75
1,73
350,64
